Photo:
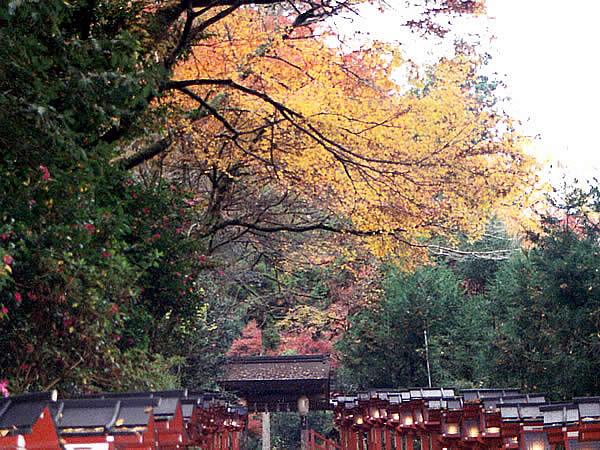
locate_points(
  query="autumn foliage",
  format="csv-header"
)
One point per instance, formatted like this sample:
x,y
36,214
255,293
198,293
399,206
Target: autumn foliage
x,y
357,143
162,159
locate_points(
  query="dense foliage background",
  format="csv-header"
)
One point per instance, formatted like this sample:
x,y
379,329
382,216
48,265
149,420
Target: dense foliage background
x,y
146,234
529,321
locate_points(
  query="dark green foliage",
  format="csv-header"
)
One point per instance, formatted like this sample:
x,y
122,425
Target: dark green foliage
x,y
531,321
100,285
385,346
285,429
547,306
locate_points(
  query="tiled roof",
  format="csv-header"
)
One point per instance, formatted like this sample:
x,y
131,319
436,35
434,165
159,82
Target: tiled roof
x,y
269,368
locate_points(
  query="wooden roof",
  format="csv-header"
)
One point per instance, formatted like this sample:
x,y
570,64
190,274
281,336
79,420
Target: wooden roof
x,y
274,383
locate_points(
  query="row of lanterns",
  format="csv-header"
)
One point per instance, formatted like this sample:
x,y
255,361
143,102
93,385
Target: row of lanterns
x,y
438,419
143,420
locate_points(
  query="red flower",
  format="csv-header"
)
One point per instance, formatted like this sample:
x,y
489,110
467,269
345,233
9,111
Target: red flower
x,y
91,228
4,310
105,254
4,236
45,173
114,308
7,259
3,388
18,297
157,236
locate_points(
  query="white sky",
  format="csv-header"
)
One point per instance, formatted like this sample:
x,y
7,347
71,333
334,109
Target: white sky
x,y
546,51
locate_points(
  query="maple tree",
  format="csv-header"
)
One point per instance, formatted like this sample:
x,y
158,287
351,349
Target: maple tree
x,y
279,132
249,343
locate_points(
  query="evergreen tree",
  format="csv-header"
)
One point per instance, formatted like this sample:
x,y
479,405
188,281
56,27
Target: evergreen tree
x,y
546,305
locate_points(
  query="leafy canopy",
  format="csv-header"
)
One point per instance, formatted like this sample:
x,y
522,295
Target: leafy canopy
x,y
286,133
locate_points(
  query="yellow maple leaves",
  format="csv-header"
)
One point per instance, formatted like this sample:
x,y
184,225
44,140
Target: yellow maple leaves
x,y
384,158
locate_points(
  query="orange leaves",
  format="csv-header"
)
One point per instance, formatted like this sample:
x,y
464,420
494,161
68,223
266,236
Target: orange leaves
x,y
385,159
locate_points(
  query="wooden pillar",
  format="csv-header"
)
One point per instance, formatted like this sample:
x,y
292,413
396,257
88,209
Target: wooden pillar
x,y
235,440
375,433
225,443
388,439
398,440
304,439
435,442
303,408
370,439
351,439
266,431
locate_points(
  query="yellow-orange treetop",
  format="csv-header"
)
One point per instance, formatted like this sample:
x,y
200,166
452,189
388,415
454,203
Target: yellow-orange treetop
x,y
278,131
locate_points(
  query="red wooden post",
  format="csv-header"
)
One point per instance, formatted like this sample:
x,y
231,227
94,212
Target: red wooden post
x,y
235,440
398,440
351,439
409,441
344,437
435,441
376,437
388,439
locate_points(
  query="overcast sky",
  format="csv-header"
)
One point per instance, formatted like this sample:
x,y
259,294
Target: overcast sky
x,y
547,52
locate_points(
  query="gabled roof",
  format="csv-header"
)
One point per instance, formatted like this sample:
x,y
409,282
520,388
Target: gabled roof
x,y
19,413
274,383
271,368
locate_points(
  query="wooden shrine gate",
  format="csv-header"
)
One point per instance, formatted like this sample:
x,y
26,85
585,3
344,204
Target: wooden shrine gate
x,y
281,384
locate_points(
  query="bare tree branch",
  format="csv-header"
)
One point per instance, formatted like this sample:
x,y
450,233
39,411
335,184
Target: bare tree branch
x,y
230,83
144,155
212,111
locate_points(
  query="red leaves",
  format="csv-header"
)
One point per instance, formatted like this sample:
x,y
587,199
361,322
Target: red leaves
x,y
249,344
